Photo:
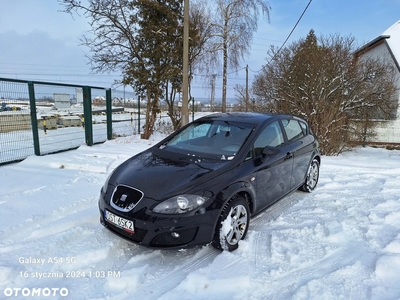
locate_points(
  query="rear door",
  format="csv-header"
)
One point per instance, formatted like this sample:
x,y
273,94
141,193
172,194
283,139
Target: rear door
x,y
301,149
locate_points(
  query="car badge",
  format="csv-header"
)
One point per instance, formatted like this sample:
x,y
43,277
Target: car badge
x,y
123,197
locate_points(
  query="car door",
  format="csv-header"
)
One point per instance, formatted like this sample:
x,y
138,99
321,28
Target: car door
x,y
274,170
301,149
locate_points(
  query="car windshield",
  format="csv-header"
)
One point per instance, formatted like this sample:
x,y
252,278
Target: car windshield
x,y
211,139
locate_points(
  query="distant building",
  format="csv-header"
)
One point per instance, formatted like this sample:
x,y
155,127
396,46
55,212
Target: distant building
x,y
62,101
99,101
79,95
387,47
117,101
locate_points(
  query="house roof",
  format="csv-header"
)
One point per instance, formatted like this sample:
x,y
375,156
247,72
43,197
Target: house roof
x,y
391,37
394,40
380,39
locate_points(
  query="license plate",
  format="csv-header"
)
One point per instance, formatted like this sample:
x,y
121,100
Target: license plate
x,y
125,224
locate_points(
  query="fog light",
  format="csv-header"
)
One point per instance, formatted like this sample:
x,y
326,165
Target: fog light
x,y
175,235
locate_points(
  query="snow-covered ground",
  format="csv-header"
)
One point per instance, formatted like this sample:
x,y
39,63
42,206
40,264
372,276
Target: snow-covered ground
x,y
340,242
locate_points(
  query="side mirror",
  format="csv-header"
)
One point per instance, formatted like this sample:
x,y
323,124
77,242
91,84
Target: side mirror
x,y
268,151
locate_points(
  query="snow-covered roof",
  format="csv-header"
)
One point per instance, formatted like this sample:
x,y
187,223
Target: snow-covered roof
x,y
392,37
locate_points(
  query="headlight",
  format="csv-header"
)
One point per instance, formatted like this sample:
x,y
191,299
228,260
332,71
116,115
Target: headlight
x,y
180,204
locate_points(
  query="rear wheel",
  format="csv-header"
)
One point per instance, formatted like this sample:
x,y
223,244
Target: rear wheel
x,y
312,177
232,225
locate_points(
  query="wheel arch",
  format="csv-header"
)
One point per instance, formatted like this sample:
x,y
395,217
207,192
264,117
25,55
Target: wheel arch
x,y
318,158
238,189
243,189
246,195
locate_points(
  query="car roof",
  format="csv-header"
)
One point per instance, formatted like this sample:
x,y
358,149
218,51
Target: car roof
x,y
247,117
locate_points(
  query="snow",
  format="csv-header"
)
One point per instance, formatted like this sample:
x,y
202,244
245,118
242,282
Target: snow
x,y
340,242
394,40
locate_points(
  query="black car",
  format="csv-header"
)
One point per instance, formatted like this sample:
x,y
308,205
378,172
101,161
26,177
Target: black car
x,y
203,183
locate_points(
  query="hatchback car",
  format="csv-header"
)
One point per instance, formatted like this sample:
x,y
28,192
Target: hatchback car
x,y
203,183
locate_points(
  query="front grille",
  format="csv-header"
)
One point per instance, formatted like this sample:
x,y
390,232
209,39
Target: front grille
x,y
125,198
166,239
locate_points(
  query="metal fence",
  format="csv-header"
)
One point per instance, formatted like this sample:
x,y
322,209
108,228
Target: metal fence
x,y
38,118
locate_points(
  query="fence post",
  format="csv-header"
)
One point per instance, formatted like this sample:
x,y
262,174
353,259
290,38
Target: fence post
x,y
109,114
138,115
193,108
87,113
34,121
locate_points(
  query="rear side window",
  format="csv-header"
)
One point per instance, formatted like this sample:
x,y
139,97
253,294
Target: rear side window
x,y
303,127
293,129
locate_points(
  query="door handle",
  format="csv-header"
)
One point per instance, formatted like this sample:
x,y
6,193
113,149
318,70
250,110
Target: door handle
x,y
289,155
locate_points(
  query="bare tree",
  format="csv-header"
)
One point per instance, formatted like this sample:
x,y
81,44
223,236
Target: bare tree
x,y
142,39
234,22
253,104
321,81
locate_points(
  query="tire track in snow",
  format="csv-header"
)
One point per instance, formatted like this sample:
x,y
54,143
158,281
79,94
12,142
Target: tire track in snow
x,y
25,232
172,275
261,249
276,209
298,217
289,283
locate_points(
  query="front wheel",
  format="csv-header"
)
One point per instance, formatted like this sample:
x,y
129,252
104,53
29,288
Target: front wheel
x,y
232,225
312,177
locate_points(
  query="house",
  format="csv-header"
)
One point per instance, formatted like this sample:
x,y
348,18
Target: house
x,y
99,101
387,47
116,101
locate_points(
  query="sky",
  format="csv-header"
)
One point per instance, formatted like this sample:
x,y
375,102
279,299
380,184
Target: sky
x,y
39,42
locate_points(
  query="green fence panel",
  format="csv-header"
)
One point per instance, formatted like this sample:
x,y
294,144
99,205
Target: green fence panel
x,y
46,117
59,117
16,141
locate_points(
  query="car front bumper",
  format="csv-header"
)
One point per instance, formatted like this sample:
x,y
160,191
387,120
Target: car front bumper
x,y
163,231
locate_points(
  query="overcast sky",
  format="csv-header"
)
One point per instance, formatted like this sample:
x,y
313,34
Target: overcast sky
x,y
38,42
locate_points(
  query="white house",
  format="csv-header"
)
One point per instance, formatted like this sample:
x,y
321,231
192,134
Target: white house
x,y
387,47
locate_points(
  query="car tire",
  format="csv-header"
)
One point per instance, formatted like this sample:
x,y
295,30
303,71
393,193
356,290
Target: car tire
x,y
312,177
232,225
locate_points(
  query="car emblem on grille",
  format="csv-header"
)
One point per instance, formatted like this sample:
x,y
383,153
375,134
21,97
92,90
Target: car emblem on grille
x,y
125,198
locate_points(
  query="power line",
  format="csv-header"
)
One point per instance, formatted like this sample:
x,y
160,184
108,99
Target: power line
x,y
41,65
298,21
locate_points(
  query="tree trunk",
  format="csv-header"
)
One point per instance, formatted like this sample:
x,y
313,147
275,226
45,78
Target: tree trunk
x,y
151,114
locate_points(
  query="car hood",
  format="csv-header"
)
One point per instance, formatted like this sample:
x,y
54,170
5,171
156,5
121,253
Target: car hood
x,y
160,177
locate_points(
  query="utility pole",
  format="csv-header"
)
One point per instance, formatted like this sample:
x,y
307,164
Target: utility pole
x,y
247,88
213,77
185,67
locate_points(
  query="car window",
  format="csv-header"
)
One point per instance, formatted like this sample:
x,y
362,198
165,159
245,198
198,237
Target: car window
x,y
199,131
216,139
270,136
293,129
249,155
303,127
